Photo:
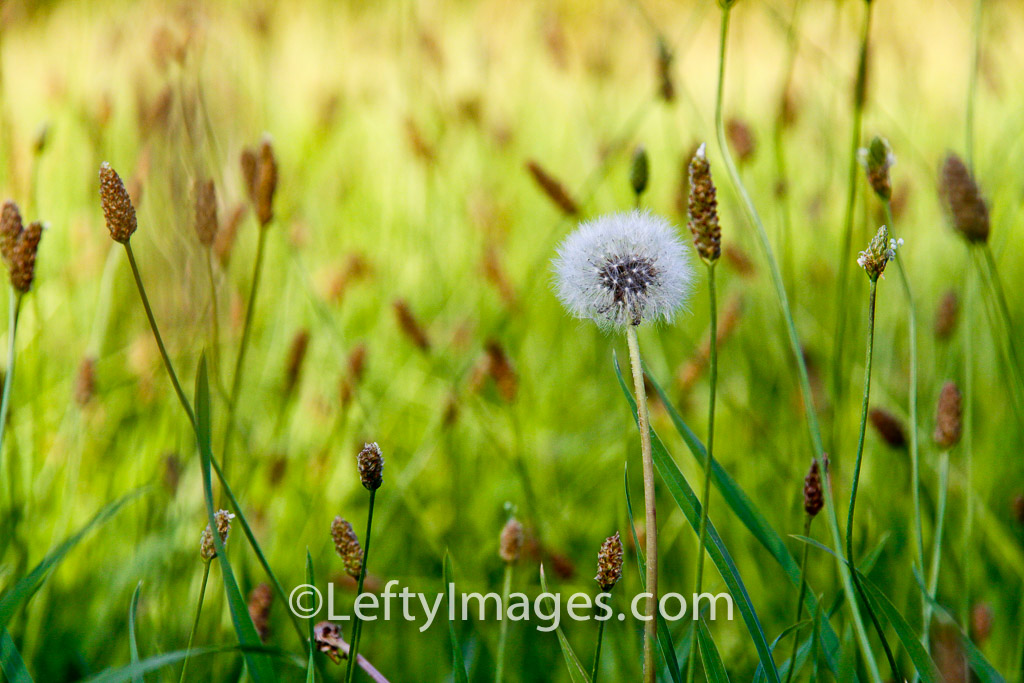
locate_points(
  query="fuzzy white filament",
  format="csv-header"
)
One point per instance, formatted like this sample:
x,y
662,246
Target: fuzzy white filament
x,y
622,269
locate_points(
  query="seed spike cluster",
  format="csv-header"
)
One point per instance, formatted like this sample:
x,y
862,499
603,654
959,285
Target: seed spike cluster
x,y
346,544
880,251
118,210
265,182
814,498
948,422
371,466
609,563
889,427
511,542
327,636
877,158
623,269
260,599
206,212
10,228
703,208
962,197
207,548
639,170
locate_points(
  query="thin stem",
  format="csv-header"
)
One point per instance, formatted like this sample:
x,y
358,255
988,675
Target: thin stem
x,y
357,625
972,84
195,622
14,309
940,522
968,449
236,381
859,95
706,494
800,598
214,317
651,523
996,284
856,478
796,349
506,588
597,651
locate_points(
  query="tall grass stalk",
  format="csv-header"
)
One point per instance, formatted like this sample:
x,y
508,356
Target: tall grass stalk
x,y
865,401
706,494
779,143
357,623
968,441
859,96
243,346
506,588
813,426
972,84
195,622
214,319
14,308
651,519
800,599
940,522
597,651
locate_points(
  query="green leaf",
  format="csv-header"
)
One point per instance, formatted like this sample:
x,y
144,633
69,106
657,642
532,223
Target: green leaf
x,y
11,663
458,663
577,672
30,583
714,669
133,644
759,674
158,662
665,644
258,664
719,554
311,665
748,513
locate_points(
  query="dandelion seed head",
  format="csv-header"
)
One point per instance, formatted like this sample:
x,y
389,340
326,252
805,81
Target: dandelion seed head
x,y
622,269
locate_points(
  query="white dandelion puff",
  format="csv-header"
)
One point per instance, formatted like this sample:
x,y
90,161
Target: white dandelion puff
x,y
622,269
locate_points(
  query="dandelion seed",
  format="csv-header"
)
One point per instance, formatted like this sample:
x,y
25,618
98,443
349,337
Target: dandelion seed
x,y
622,269
207,548
609,563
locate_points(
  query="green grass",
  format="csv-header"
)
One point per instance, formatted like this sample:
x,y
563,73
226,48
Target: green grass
x,y
487,87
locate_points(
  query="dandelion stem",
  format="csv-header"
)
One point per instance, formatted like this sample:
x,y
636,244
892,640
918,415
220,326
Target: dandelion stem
x,y
195,622
800,598
859,94
506,588
12,329
357,624
856,478
706,494
236,381
813,427
651,519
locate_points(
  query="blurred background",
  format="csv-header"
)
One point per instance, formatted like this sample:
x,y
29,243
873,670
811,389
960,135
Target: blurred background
x,y
431,155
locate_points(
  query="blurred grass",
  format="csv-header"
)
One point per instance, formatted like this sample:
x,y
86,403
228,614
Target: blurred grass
x,y
402,132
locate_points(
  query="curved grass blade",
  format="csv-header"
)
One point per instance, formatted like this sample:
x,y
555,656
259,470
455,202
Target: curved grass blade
x,y
577,672
311,665
748,513
31,582
257,664
11,663
687,501
458,662
157,662
665,644
759,674
714,669
133,644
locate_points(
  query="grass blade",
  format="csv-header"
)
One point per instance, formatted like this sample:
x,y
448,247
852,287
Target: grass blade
x,y
133,644
157,662
311,665
577,672
748,513
714,669
665,644
458,662
30,583
11,663
687,501
257,664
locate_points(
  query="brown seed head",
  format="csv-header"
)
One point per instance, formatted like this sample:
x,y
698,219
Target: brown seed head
x,y
703,209
639,170
371,466
877,158
554,189
666,86
23,257
227,233
296,356
206,212
85,381
410,326
266,183
878,254
814,499
328,640
511,542
963,200
889,427
207,548
741,139
347,546
609,563
260,599
948,423
981,622
250,163
1018,508
10,229
501,371
946,315
117,205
